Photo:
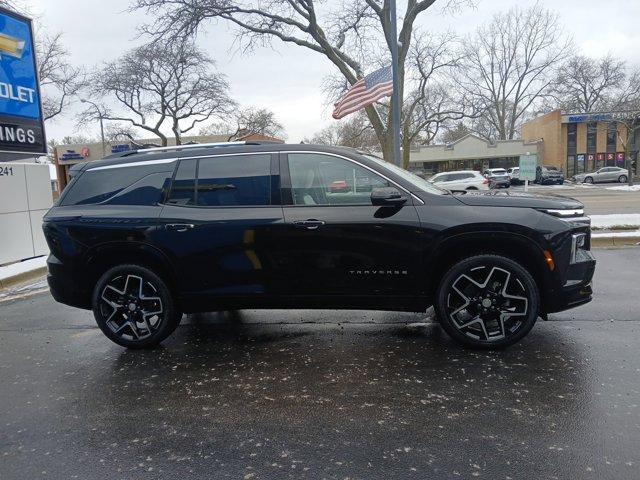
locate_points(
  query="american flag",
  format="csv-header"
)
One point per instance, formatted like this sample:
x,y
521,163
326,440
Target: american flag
x,y
364,92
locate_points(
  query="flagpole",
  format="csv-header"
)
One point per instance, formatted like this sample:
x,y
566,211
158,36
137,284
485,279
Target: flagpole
x,y
395,98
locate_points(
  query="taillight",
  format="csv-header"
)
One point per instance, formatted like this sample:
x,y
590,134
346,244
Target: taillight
x,y
485,181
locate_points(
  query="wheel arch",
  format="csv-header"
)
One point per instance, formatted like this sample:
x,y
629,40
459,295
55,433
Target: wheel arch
x,y
105,256
515,246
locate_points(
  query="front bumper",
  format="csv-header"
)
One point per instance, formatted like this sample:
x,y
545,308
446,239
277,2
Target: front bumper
x,y
577,289
551,181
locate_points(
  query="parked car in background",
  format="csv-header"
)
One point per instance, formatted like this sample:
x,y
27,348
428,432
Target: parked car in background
x,y
548,175
461,180
514,175
498,177
605,174
339,186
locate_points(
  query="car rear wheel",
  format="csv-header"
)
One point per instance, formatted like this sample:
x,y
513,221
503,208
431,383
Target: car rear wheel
x,y
134,307
487,301
622,179
588,180
472,188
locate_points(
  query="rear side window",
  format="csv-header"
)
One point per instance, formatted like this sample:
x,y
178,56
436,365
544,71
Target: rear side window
x,y
224,181
183,191
119,186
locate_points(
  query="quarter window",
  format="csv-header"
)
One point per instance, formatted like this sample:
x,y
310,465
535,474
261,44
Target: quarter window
x,y
328,180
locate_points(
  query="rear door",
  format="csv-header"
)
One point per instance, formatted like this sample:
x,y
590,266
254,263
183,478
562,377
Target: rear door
x,y
338,243
218,221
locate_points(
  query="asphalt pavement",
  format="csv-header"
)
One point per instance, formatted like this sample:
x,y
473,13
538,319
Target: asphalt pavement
x,y
323,394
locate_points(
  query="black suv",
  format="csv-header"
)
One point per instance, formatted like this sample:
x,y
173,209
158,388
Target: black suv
x,y
142,237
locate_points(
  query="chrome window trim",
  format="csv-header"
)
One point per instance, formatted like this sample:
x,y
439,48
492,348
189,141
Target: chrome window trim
x,y
133,164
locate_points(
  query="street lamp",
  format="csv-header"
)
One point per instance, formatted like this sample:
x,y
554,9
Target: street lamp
x,y
82,100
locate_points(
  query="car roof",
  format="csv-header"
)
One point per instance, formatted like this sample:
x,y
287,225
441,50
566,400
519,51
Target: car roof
x,y
199,150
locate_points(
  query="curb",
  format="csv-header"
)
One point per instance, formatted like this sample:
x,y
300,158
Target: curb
x,y
612,241
22,277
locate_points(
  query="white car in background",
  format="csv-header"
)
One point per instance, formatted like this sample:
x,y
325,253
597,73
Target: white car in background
x,y
460,180
514,175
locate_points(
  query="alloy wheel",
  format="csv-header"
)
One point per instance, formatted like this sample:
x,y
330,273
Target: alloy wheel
x,y
488,303
131,307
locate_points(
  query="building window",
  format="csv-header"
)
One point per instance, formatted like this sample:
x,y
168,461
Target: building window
x,y
592,135
571,166
572,129
612,137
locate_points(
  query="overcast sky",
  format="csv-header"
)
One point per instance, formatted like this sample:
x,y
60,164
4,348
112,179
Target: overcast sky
x,y
288,79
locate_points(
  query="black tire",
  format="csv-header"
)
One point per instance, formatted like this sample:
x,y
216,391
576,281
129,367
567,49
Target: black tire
x,y
472,188
490,320
134,307
588,180
622,179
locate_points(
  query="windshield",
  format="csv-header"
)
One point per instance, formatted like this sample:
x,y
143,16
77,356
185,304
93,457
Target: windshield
x,y
498,171
419,183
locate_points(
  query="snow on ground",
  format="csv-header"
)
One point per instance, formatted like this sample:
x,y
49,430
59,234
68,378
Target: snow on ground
x,y
626,188
632,233
21,267
615,220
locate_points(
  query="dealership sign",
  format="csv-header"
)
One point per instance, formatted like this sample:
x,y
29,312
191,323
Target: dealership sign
x,y
21,121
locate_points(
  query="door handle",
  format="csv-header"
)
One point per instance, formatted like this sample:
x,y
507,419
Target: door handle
x,y
311,224
179,227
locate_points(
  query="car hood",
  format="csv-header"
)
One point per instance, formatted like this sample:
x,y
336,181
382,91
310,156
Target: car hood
x,y
496,198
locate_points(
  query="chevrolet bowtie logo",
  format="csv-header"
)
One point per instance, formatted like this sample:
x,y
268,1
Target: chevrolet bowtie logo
x,y
11,46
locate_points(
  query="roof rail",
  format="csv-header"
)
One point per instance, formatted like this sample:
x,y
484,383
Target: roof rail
x,y
126,153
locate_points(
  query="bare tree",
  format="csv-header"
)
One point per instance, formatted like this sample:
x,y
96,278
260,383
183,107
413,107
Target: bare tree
x,y
159,85
348,34
354,132
455,132
59,80
247,121
590,85
509,66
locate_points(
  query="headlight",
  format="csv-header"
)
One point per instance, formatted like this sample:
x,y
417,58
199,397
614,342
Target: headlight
x,y
564,213
578,241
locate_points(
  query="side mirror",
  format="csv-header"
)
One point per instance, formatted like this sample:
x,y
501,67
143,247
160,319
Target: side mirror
x,y
387,196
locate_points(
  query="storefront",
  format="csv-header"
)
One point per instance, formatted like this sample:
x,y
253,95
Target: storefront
x,y
578,143
469,153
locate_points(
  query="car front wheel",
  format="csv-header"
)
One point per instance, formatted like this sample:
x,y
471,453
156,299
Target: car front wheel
x,y
134,307
487,301
588,180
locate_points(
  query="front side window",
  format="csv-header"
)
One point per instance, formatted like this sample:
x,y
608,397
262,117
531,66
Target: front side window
x,y
318,179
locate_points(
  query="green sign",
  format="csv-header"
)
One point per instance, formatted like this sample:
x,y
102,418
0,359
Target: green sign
x,y
528,164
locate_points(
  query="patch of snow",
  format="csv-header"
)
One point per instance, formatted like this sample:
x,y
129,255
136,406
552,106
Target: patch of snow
x,y
631,233
13,269
626,188
615,220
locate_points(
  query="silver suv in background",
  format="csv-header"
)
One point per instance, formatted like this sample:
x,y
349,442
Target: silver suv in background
x,y
605,174
460,180
548,174
498,177
514,175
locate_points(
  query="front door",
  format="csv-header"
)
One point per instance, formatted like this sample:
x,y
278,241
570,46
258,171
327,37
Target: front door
x,y
218,222
336,242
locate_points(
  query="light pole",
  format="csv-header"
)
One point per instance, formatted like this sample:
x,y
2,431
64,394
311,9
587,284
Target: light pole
x,y
82,100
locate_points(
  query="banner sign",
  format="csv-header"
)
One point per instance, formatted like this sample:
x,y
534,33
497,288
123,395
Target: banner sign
x,y
21,120
528,164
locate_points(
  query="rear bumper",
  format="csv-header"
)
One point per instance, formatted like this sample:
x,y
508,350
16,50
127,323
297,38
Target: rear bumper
x,y
577,289
64,286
